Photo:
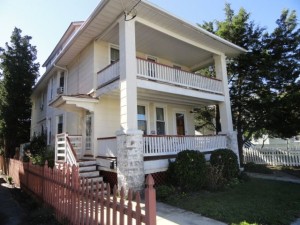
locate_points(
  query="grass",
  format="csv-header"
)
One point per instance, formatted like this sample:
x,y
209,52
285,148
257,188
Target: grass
x,y
256,201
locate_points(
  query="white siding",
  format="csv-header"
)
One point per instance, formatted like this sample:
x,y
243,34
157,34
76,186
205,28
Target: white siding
x,y
80,77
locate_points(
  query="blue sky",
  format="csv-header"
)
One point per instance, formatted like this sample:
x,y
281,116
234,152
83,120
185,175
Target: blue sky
x,y
46,21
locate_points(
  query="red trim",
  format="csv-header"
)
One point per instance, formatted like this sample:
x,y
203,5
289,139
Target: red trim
x,y
106,138
105,157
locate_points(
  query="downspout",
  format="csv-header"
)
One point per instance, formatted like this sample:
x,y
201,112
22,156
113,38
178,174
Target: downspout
x,y
67,75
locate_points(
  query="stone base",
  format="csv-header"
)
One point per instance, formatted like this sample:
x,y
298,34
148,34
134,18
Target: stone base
x,y
130,163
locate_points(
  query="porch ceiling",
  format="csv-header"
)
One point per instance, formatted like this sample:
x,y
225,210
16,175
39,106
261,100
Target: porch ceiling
x,y
108,12
181,98
156,43
75,103
169,98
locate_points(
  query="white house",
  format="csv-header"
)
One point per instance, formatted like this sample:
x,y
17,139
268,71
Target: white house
x,y
120,89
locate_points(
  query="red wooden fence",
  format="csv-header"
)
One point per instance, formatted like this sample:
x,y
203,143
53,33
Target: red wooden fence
x,y
78,201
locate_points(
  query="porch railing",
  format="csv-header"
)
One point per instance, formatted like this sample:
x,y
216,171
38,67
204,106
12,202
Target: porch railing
x,y
156,71
107,146
162,73
172,144
67,147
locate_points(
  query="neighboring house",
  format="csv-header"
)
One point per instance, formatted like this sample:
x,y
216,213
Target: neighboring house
x,y
119,88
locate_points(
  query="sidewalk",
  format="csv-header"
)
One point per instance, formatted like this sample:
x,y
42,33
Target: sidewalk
x,y
169,215
277,175
10,211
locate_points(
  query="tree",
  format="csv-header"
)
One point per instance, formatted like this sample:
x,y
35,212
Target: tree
x,y
18,75
262,82
282,78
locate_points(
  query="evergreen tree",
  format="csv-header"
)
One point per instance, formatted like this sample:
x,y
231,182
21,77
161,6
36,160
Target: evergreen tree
x,y
18,75
262,82
282,76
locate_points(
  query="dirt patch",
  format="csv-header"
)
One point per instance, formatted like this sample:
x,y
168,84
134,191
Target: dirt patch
x,y
35,213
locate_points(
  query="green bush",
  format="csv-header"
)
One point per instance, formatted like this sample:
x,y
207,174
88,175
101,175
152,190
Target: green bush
x,y
38,152
189,170
164,191
257,168
214,178
227,159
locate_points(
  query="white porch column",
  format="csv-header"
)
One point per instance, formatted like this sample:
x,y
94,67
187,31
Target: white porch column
x,y
225,107
128,74
130,161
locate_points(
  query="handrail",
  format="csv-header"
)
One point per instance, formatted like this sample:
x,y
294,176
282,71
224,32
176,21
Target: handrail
x,y
72,149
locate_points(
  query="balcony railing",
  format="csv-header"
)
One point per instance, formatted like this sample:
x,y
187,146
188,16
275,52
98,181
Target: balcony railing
x,y
109,74
166,74
162,73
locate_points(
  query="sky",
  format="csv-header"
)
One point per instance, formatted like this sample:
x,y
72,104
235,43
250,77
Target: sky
x,y
46,21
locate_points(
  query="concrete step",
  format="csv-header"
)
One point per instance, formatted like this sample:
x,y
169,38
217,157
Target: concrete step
x,y
89,174
88,168
86,162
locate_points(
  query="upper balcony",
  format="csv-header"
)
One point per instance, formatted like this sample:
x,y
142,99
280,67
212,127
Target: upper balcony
x,y
155,72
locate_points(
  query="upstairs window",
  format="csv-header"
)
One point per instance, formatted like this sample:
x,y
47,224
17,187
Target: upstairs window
x,y
160,121
42,97
114,55
152,66
61,84
142,119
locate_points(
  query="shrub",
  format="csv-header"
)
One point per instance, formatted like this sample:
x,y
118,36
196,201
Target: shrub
x,y
214,178
257,168
189,170
228,160
164,191
38,152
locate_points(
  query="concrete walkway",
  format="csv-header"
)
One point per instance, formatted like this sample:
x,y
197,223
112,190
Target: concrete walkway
x,y
169,215
277,175
10,211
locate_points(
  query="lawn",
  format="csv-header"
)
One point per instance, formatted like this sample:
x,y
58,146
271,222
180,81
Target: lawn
x,y
256,201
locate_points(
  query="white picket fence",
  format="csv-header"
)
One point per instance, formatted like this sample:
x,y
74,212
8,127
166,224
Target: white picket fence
x,y
273,157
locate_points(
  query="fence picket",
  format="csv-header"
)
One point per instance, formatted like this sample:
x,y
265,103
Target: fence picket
x,y
272,157
78,200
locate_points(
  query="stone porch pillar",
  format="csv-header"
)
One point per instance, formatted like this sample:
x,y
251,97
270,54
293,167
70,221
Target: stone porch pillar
x,y
130,162
225,106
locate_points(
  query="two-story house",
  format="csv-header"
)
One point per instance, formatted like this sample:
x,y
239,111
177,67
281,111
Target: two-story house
x,y
120,89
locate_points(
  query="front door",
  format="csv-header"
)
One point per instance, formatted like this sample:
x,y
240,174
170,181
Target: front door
x,y
88,131
180,123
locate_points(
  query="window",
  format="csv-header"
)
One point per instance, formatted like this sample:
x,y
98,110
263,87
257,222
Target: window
x,y
42,101
51,84
141,117
60,122
49,127
114,55
177,72
151,66
160,121
62,79
61,83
